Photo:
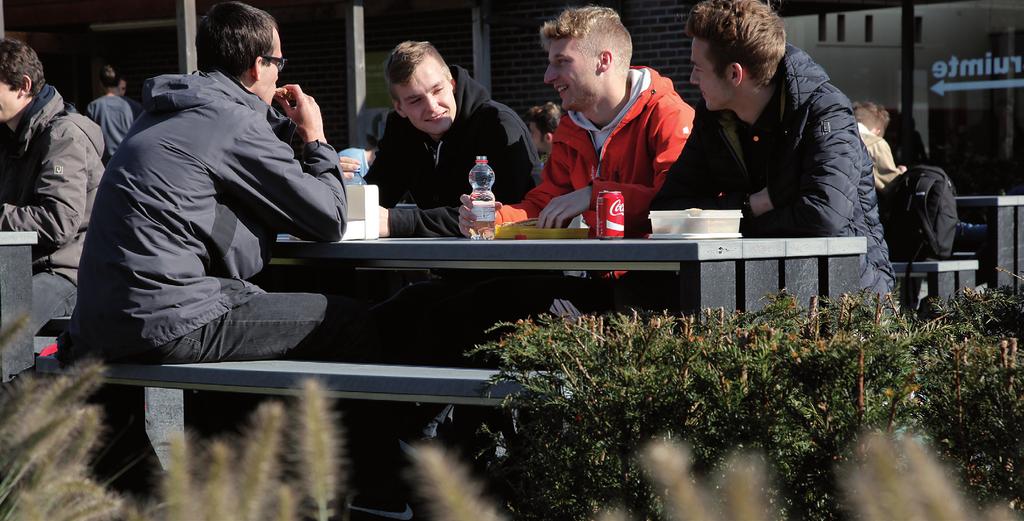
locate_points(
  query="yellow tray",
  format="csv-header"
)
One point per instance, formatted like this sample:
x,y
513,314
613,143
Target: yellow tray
x,y
515,231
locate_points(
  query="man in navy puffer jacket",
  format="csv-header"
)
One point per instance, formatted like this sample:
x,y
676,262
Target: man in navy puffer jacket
x,y
774,137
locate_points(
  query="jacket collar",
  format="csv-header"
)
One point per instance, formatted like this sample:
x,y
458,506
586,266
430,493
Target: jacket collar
x,y
44,106
800,78
577,137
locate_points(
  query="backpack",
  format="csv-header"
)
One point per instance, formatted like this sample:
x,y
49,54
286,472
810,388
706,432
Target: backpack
x,y
921,215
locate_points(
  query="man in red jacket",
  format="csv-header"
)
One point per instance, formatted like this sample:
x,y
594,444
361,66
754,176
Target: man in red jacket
x,y
623,129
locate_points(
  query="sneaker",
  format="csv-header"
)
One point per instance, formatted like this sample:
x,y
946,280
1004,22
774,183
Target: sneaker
x,y
368,509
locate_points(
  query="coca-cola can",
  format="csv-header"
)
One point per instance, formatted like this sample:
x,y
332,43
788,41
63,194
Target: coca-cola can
x,y
611,215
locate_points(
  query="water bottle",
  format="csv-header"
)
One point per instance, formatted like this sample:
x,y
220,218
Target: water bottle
x,y
481,178
357,178
359,155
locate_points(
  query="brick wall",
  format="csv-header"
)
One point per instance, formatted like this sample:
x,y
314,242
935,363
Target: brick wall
x,y
316,50
138,55
518,61
449,30
659,41
316,61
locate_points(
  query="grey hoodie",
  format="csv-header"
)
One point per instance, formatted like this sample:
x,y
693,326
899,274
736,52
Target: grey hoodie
x,y
49,170
188,210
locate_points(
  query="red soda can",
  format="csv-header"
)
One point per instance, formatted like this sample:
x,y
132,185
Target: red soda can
x,y
611,215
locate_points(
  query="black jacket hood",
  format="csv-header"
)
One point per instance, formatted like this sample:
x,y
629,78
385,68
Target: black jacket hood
x,y
469,95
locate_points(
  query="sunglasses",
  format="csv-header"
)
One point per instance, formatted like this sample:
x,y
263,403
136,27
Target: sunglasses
x,y
279,62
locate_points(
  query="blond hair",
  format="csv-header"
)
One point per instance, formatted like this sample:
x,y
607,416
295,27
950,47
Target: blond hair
x,y
871,115
596,28
403,60
747,32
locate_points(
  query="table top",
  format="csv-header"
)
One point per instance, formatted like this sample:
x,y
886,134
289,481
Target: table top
x,y
18,238
989,200
633,253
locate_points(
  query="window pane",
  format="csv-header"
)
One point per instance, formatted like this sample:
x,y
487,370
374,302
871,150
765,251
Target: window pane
x,y
968,84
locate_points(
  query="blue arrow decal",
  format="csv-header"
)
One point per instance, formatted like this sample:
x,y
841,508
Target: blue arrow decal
x,y
942,87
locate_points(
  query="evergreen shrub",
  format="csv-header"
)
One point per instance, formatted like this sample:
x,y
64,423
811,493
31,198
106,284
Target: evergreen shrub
x,y
795,384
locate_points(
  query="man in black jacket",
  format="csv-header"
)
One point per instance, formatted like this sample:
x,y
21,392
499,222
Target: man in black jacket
x,y
774,137
189,207
442,120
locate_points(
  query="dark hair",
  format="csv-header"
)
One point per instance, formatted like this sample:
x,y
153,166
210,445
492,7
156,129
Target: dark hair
x,y
232,35
747,32
109,78
545,117
18,60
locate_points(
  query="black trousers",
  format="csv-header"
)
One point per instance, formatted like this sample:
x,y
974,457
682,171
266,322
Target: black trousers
x,y
274,326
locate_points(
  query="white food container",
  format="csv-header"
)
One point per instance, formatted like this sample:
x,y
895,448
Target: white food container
x,y
695,220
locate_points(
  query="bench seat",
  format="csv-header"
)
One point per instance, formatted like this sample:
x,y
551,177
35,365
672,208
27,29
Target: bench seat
x,y
945,277
341,380
164,385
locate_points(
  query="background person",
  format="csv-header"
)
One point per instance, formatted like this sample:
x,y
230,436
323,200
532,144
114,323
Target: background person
x,y
49,169
112,111
774,137
364,156
542,121
872,120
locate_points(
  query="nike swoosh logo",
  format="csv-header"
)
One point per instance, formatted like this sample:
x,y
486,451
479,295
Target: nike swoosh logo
x,y
401,516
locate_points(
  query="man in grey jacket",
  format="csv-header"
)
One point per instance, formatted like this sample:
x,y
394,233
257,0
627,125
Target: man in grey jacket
x,y
189,207
49,169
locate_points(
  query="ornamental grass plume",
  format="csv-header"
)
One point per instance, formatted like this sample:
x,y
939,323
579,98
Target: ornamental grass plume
x,y
320,450
669,465
47,440
614,514
446,486
902,481
261,482
745,489
176,486
261,458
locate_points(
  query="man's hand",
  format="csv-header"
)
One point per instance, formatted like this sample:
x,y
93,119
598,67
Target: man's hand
x,y
564,208
305,113
385,230
466,217
761,203
348,167
901,168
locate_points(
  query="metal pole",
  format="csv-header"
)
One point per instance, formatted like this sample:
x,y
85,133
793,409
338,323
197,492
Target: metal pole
x,y
482,43
907,140
2,32
356,60
186,36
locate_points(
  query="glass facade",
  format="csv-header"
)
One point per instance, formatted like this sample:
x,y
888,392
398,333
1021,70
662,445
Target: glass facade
x,y
968,81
